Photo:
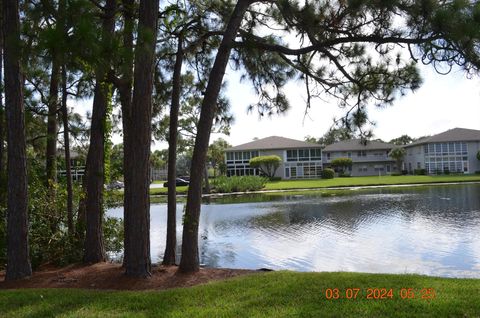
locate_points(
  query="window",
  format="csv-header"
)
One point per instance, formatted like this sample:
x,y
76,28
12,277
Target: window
x,y
310,154
292,155
379,168
446,157
293,171
362,153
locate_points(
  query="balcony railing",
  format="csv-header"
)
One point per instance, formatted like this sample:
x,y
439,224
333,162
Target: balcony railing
x,y
364,158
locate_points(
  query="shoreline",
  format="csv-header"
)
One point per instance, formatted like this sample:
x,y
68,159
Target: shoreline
x,y
346,187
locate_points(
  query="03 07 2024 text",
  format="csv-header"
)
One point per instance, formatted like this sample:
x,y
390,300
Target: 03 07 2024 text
x,y
375,293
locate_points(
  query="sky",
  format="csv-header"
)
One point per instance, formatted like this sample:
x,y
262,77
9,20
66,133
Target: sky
x,y
441,103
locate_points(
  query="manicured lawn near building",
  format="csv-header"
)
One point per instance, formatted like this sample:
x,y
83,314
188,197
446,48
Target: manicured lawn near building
x,y
276,294
180,190
361,181
347,182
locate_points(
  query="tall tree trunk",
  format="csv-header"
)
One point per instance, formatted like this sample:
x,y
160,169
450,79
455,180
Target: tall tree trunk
x,y
169,256
124,86
68,167
94,246
51,150
18,261
137,148
2,112
190,259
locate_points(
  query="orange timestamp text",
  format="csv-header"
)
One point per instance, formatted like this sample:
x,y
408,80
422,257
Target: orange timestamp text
x,y
380,293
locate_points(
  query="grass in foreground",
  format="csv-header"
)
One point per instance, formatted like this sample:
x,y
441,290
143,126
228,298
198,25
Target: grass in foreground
x,y
277,294
363,181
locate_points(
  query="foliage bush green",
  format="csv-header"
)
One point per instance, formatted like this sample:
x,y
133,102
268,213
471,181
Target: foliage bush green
x,y
268,165
342,164
49,240
328,173
237,184
419,172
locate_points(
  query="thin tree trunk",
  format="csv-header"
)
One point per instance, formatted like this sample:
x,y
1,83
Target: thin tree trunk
x,y
2,112
205,179
51,150
169,256
18,261
190,258
137,149
68,167
124,87
94,245
82,210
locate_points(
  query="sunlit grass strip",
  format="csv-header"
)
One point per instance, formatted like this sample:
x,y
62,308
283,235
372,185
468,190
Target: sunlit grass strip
x,y
277,294
365,181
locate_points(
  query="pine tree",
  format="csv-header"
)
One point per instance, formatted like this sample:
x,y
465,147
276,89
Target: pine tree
x,y
18,259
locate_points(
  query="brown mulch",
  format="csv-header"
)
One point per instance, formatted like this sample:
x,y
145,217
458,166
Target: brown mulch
x,y
111,276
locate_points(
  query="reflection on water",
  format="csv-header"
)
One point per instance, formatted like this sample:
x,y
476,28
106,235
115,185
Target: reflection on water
x,y
432,230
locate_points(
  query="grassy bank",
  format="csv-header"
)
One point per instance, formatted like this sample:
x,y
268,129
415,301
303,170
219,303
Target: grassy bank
x,y
365,181
277,294
347,182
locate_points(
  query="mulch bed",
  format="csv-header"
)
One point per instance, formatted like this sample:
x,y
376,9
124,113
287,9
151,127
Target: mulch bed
x,y
111,277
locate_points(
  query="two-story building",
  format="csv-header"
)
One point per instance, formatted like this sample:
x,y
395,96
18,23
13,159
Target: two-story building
x,y
368,158
300,159
452,151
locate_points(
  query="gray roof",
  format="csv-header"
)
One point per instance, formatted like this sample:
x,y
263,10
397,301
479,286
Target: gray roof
x,y
455,134
274,142
356,144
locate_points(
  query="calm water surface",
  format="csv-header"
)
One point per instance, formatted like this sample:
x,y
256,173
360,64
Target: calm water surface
x,y
433,230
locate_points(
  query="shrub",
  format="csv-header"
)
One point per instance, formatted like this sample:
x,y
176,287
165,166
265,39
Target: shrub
x,y
446,171
238,184
477,172
275,179
328,173
341,163
404,172
344,175
419,172
396,174
268,165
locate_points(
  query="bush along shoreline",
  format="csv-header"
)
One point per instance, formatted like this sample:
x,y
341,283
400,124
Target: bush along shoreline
x,y
237,184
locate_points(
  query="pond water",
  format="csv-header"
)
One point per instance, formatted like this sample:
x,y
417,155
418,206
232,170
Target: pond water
x,y
432,230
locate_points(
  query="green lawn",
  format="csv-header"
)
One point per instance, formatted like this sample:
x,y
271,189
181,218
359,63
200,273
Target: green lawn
x,y
180,190
277,294
361,181
346,182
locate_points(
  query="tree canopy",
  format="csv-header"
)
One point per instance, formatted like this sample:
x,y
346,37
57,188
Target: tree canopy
x,y
268,165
